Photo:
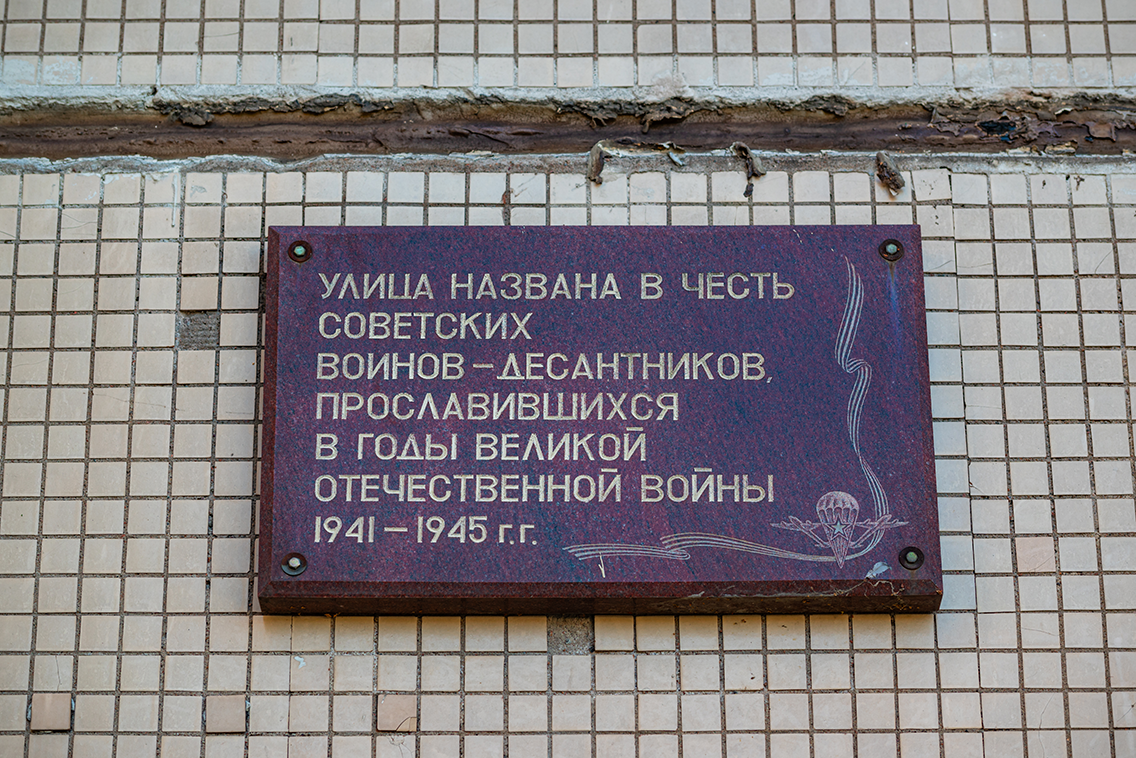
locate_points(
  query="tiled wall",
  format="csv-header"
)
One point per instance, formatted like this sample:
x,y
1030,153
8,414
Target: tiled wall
x,y
567,47
131,300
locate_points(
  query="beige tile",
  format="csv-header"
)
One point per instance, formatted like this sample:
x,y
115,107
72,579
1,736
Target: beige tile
x,y
741,632
658,712
140,712
140,672
57,594
571,673
786,671
353,633
829,631
1035,554
398,633
354,673
655,633
270,672
830,671
571,713
615,633
307,745
441,633
483,746
268,713
871,631
440,713
309,673
655,672
484,673
397,672
100,633
353,713
528,633
528,673
271,633
701,713
96,672
615,713
51,711
94,713
484,713
699,672
914,630
227,673
308,713
785,632
188,634
199,293
744,672
240,293
441,673
528,713
615,672
52,673
396,713
698,632
185,673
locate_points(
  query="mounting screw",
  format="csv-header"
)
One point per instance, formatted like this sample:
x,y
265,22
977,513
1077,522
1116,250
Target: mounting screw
x,y
911,558
294,564
300,251
891,250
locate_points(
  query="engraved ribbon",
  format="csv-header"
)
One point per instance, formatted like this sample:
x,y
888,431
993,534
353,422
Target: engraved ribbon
x,y
845,339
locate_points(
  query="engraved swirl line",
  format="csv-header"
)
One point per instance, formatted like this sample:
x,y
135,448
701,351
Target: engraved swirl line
x,y
845,339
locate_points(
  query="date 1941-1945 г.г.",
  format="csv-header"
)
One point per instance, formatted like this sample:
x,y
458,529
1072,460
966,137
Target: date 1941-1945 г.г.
x,y
597,420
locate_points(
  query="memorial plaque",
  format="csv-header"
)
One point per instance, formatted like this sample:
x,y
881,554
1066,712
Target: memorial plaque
x,y
597,420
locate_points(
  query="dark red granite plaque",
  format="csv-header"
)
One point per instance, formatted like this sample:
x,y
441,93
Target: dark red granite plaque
x,y
597,420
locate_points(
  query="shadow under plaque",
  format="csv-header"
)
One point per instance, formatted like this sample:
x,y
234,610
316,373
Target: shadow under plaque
x,y
597,420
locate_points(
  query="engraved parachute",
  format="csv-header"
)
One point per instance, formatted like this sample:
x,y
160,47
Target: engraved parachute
x,y
837,513
838,518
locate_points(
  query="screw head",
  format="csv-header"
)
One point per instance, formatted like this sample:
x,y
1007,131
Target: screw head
x,y
300,251
891,250
294,564
911,558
